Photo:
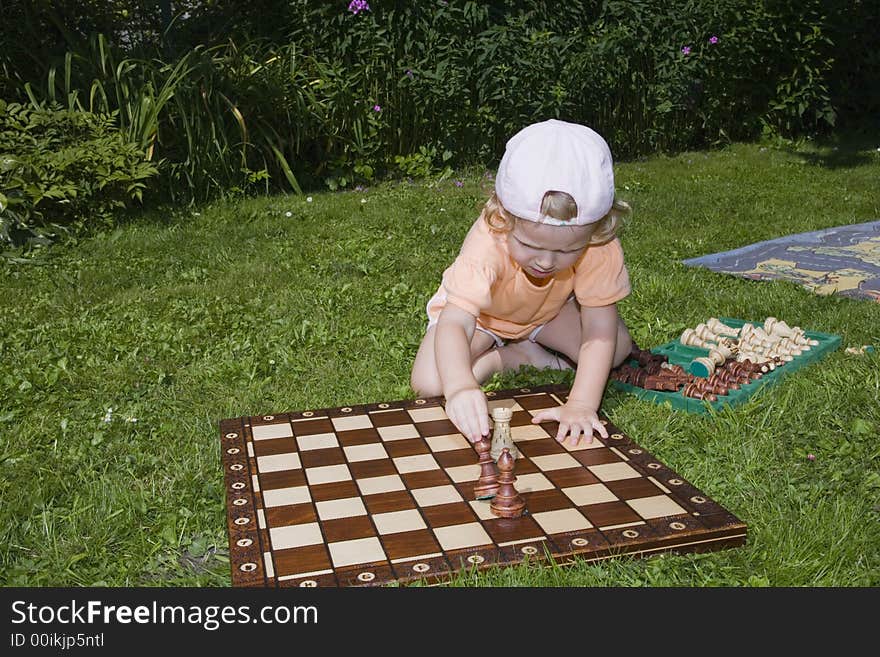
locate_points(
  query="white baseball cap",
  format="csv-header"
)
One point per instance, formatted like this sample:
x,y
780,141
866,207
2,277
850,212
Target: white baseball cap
x,y
556,156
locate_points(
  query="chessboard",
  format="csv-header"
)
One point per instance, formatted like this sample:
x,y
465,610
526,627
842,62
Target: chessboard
x,y
383,494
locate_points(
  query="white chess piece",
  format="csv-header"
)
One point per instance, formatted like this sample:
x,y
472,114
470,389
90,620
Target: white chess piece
x,y
501,437
720,328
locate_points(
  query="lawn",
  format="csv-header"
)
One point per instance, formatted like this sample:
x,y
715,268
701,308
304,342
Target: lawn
x,y
121,353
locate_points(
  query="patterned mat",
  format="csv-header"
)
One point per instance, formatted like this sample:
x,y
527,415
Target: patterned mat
x,y
844,260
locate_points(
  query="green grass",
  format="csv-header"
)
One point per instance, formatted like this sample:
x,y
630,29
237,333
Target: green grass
x,y
179,321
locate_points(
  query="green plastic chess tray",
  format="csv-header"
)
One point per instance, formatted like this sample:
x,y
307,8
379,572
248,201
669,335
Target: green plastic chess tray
x,y
680,354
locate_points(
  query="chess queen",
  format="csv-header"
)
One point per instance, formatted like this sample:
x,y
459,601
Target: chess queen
x,y
539,274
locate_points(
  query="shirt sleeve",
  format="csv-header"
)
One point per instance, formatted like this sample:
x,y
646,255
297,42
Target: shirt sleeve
x,y
468,284
601,277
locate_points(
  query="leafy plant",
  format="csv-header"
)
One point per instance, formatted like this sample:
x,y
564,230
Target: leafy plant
x,y
61,170
293,90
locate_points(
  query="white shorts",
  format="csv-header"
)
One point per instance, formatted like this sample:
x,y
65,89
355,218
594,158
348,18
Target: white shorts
x,y
440,296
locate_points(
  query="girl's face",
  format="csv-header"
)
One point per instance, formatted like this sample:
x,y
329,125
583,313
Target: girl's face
x,y
543,249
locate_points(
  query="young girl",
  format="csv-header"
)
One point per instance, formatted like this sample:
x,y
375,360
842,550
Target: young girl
x,y
541,267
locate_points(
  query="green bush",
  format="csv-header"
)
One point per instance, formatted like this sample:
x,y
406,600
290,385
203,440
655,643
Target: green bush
x,y
62,170
462,77
297,93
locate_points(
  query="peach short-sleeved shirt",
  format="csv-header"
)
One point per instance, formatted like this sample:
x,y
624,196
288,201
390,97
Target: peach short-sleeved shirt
x,y
486,282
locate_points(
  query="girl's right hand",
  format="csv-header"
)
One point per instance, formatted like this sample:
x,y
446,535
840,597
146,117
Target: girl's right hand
x,y
469,412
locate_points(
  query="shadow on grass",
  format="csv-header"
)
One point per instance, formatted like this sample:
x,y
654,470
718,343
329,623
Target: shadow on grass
x,y
843,150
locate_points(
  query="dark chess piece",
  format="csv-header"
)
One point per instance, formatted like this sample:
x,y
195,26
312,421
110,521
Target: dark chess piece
x,y
487,484
507,503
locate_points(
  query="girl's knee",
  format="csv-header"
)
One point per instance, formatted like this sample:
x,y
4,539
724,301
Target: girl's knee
x,y
424,385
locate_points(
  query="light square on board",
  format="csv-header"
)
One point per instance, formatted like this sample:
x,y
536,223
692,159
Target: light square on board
x,y
462,473
581,444
264,431
417,463
349,422
395,522
561,521
291,536
369,452
468,535
512,404
528,432
398,432
342,508
285,496
427,414
327,474
317,441
655,507
483,509
384,484
447,442
360,550
277,462
589,494
555,462
613,471
531,482
436,495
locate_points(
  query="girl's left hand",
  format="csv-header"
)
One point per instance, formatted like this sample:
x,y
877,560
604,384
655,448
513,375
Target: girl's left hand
x,y
574,418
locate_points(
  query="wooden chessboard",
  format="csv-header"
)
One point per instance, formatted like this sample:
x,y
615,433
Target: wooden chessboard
x,y
383,493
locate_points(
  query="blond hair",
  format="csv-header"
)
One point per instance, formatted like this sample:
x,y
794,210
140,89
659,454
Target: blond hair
x,y
559,206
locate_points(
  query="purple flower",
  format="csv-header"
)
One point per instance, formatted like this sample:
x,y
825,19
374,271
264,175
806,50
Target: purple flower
x,y
409,73
713,39
686,50
458,183
811,457
357,6
377,108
